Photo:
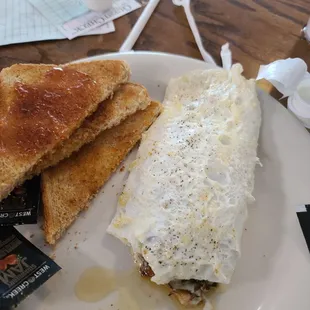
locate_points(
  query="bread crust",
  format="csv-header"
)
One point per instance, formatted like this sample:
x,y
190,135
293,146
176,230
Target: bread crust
x,y
42,105
68,187
126,100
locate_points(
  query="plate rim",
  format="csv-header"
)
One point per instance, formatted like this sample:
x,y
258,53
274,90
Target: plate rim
x,y
140,52
259,91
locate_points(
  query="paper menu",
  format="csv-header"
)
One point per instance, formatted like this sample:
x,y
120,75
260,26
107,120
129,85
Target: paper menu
x,y
21,22
60,11
72,18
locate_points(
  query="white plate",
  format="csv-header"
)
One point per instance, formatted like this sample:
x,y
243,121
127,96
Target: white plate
x,y
274,270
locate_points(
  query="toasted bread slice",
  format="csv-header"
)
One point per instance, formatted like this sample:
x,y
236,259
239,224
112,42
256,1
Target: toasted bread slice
x,y
127,99
68,187
41,105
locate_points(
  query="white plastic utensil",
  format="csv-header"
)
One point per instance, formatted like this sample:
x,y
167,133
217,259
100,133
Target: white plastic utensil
x,y
226,56
139,26
186,5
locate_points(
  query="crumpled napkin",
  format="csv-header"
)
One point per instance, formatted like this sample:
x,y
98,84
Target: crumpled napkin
x,y
284,74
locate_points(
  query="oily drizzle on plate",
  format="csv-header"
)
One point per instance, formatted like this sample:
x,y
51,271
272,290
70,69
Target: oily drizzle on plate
x,y
133,292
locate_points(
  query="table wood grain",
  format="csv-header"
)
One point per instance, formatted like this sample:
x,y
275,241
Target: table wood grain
x,y
259,31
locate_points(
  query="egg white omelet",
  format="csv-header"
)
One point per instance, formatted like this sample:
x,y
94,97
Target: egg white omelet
x,y
185,202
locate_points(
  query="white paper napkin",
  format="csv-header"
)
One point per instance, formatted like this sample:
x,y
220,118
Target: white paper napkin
x,y
284,74
290,77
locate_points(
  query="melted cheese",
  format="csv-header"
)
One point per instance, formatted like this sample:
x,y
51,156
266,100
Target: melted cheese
x,y
187,194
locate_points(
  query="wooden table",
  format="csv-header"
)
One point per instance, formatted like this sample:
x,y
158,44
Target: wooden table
x,y
259,31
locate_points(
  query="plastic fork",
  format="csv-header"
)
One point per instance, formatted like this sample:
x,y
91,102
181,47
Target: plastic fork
x,y
186,5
